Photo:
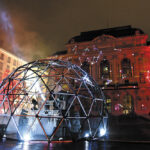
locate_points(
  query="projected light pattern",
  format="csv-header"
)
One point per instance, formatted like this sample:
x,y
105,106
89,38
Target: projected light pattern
x,y
51,100
7,26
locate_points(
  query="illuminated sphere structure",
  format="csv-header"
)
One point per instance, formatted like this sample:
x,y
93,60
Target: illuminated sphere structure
x,y
51,100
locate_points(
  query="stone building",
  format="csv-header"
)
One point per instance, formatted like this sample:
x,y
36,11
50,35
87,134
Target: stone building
x,y
8,63
119,61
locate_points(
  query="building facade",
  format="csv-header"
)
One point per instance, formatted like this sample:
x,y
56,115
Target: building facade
x,y
8,63
119,61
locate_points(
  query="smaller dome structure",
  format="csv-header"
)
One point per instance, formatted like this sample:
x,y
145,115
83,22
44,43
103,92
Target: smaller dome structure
x,y
51,100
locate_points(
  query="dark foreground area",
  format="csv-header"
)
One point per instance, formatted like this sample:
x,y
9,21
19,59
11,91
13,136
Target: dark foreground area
x,y
124,133
81,145
129,128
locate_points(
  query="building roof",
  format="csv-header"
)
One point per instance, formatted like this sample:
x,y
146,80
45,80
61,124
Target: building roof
x,y
63,52
12,55
116,32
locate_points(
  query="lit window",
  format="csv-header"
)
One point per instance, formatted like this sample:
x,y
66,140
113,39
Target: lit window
x,y
128,104
105,69
108,104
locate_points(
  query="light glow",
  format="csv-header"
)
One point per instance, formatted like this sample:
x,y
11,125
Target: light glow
x,y
86,135
102,132
87,80
26,137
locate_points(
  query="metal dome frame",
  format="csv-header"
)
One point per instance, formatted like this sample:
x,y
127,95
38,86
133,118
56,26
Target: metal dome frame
x,y
52,99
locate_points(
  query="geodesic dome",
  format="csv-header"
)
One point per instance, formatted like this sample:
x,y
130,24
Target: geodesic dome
x,y
51,100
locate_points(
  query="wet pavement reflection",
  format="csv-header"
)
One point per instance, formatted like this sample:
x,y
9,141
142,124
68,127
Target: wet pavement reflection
x,y
132,134
81,145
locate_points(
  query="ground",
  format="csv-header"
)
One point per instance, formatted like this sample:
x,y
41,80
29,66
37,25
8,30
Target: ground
x,y
132,133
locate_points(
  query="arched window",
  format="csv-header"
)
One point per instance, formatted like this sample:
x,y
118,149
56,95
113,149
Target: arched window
x,y
86,66
105,69
126,68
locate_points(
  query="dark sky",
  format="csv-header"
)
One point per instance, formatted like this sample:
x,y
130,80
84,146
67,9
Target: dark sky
x,y
42,27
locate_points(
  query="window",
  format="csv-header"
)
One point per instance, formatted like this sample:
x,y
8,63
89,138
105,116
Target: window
x,y
9,60
138,98
8,68
2,56
86,66
126,68
143,107
142,77
128,104
14,63
105,69
0,76
108,104
1,66
147,98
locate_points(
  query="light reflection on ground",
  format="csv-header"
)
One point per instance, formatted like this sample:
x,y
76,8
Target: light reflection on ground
x,y
81,145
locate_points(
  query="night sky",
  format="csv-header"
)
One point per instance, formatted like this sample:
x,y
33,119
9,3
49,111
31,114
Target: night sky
x,y
34,29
